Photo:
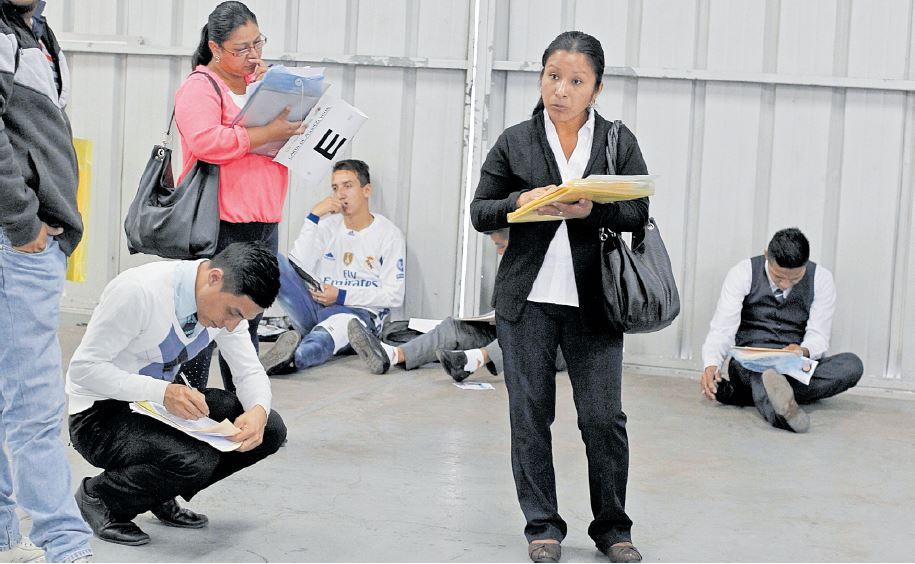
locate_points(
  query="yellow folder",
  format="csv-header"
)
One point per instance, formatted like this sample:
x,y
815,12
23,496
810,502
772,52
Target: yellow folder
x,y
599,189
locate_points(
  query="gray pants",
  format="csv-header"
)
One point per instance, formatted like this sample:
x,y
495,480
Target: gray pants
x,y
455,335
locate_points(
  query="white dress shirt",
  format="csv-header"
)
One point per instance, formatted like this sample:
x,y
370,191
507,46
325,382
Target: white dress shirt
x,y
555,283
726,321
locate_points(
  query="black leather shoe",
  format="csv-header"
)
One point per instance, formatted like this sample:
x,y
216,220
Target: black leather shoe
x,y
453,362
103,524
368,347
174,515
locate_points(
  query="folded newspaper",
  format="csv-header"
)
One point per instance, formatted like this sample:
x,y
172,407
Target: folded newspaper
x,y
600,189
204,429
784,362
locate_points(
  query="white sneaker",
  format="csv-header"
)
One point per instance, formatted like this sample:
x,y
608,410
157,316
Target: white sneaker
x,y
25,551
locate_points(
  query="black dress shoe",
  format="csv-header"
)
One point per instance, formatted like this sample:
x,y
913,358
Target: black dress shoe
x,y
368,347
103,524
453,362
174,515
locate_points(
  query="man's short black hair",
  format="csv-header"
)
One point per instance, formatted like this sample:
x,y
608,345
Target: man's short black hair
x,y
249,269
359,167
498,232
789,248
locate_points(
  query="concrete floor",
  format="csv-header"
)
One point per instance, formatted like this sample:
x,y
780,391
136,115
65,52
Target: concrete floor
x,y
407,467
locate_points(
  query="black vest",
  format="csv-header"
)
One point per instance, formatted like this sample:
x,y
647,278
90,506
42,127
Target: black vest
x,y
767,322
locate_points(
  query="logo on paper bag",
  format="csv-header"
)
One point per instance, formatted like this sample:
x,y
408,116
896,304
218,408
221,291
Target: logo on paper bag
x,y
328,146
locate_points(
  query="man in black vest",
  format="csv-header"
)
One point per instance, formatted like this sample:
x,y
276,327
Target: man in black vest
x,y
778,300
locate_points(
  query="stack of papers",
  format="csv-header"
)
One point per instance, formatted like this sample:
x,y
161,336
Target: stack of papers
x,y
599,189
203,429
300,88
784,362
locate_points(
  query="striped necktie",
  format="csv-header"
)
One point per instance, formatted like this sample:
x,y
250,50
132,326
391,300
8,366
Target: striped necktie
x,y
779,295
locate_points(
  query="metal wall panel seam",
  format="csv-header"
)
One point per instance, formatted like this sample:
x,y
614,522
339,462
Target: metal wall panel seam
x,y
693,187
119,123
292,25
133,45
836,147
766,132
476,91
633,54
901,251
904,214
69,17
567,20
890,84
348,88
407,133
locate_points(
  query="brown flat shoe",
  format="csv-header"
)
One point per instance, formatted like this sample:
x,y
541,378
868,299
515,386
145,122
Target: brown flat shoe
x,y
623,552
540,551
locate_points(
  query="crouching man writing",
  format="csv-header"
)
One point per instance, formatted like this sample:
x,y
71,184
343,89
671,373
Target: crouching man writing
x,y
150,320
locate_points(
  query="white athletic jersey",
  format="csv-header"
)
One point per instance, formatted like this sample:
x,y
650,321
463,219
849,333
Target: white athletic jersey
x,y
367,266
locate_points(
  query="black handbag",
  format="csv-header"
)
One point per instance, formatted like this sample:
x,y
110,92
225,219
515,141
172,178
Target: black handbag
x,y
640,292
176,222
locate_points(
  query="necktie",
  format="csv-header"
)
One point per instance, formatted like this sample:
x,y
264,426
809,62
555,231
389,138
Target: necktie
x,y
189,323
779,295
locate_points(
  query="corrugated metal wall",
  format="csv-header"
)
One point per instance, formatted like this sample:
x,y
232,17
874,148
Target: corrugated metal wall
x,y
756,114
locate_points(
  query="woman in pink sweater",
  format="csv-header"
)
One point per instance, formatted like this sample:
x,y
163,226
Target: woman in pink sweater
x,y
252,188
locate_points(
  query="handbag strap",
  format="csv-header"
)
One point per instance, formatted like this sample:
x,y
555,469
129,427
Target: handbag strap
x,y
168,130
613,141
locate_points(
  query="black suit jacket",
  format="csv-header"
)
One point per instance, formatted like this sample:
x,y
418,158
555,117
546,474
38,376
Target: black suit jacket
x,y
522,160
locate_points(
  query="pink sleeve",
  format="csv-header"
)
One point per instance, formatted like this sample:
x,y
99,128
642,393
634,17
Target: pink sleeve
x,y
198,115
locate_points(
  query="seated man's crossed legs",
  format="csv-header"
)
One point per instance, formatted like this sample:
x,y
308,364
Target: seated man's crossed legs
x,y
777,397
319,332
147,464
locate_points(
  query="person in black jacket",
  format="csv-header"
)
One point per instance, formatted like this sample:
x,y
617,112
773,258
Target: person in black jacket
x,y
547,294
40,225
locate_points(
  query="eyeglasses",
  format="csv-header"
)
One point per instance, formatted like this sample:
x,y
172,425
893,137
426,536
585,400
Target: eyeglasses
x,y
258,45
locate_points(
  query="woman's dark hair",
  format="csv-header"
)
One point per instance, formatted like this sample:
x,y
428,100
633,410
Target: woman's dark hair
x,y
249,269
223,20
789,248
575,42
358,167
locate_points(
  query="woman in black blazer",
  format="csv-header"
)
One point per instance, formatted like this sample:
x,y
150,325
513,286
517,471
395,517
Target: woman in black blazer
x,y
547,294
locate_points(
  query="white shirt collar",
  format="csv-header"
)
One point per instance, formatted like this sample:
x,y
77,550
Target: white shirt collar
x,y
575,165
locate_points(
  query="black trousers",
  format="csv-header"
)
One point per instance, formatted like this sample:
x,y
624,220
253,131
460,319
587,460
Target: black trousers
x,y
595,371
197,370
146,462
833,375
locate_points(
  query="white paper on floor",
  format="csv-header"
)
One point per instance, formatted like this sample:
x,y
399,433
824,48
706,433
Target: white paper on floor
x,y
474,385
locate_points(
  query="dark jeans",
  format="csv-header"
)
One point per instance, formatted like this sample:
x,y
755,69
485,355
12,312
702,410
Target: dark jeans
x,y
147,463
833,375
595,371
197,370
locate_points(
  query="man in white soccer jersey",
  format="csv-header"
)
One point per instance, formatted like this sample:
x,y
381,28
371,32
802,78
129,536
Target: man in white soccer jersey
x,y
347,263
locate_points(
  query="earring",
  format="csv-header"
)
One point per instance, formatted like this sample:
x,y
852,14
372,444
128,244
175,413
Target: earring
x,y
217,58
